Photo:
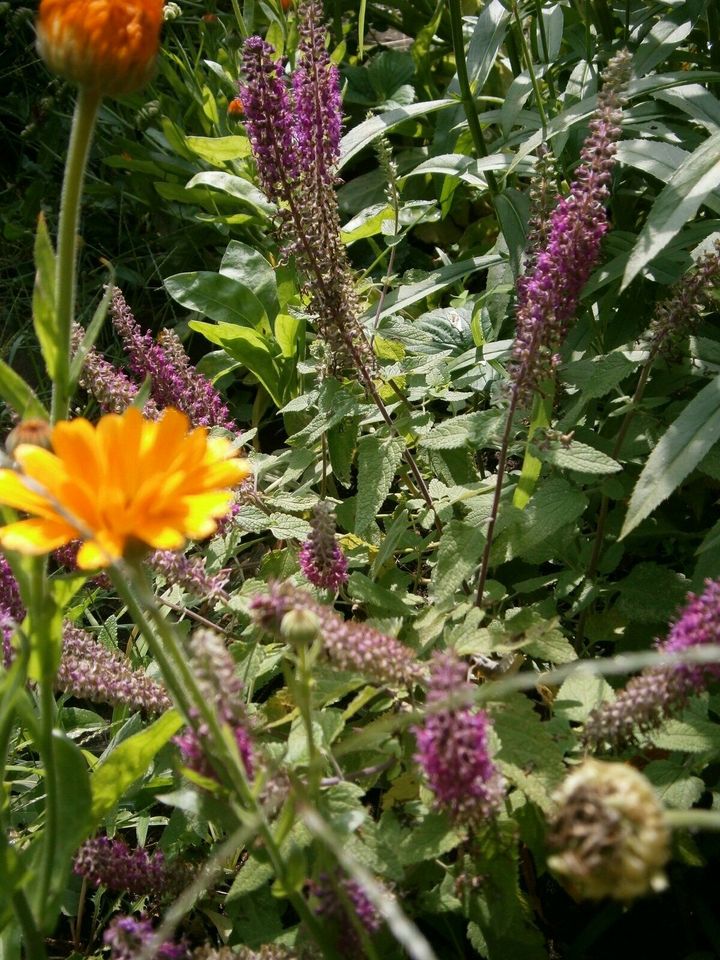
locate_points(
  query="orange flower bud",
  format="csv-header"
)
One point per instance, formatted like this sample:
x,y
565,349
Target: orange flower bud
x,y
235,108
109,46
286,4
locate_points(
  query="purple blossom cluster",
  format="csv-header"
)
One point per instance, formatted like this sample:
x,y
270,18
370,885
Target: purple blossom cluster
x,y
112,864
659,692
190,573
215,672
348,645
174,381
336,898
12,610
127,936
547,297
294,126
90,671
453,748
321,558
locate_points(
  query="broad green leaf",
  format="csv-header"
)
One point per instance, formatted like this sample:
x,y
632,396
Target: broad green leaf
x,y
249,267
678,202
219,149
236,187
532,462
378,460
581,693
437,280
368,223
473,429
368,131
461,546
529,754
555,505
75,818
466,168
129,761
221,298
384,601
664,37
249,347
43,301
680,450
676,787
19,395
578,457
427,840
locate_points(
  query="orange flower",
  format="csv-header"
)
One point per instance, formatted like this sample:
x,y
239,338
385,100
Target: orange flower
x,y
235,108
106,45
121,481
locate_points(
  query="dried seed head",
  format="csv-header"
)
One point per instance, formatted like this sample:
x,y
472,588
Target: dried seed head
x,y
609,833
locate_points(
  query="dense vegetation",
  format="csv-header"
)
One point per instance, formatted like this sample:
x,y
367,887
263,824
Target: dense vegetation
x,y
401,638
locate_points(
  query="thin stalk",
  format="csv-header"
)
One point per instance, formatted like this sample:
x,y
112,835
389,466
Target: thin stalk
x,y
83,125
512,51
183,686
33,944
713,20
240,19
495,509
525,50
546,51
466,96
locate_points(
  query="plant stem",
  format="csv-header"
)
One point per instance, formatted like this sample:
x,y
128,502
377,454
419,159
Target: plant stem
x,y
83,125
531,71
502,462
466,95
33,945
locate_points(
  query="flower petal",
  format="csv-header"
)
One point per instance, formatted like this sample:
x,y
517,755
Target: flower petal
x,y
36,537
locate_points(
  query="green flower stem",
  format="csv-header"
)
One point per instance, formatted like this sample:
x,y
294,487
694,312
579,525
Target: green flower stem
x,y
86,112
531,70
129,581
466,96
693,819
33,944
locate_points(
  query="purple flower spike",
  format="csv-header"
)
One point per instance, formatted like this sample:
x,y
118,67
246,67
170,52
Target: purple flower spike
x,y
337,896
12,610
175,382
348,645
270,120
318,105
658,693
112,864
187,572
127,936
548,296
453,749
321,558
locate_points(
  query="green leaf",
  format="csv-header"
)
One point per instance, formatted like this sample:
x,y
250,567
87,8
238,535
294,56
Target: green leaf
x,y
250,268
461,546
676,787
378,461
427,840
92,332
651,593
368,131
555,505
43,301
129,761
578,457
532,462
473,429
678,202
342,439
221,298
236,187
75,820
580,694
384,601
19,395
680,449
219,150
529,755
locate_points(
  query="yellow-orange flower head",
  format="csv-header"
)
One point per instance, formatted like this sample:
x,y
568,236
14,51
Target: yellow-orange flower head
x,y
124,480
108,46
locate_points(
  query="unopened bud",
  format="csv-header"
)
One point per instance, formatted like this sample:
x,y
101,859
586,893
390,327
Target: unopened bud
x,y
34,431
299,627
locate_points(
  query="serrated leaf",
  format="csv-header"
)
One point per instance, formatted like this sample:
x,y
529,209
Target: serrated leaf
x,y
597,376
378,461
676,787
651,593
430,838
461,546
679,451
388,603
528,756
578,457
129,761
554,505
677,203
581,693
472,429
692,733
